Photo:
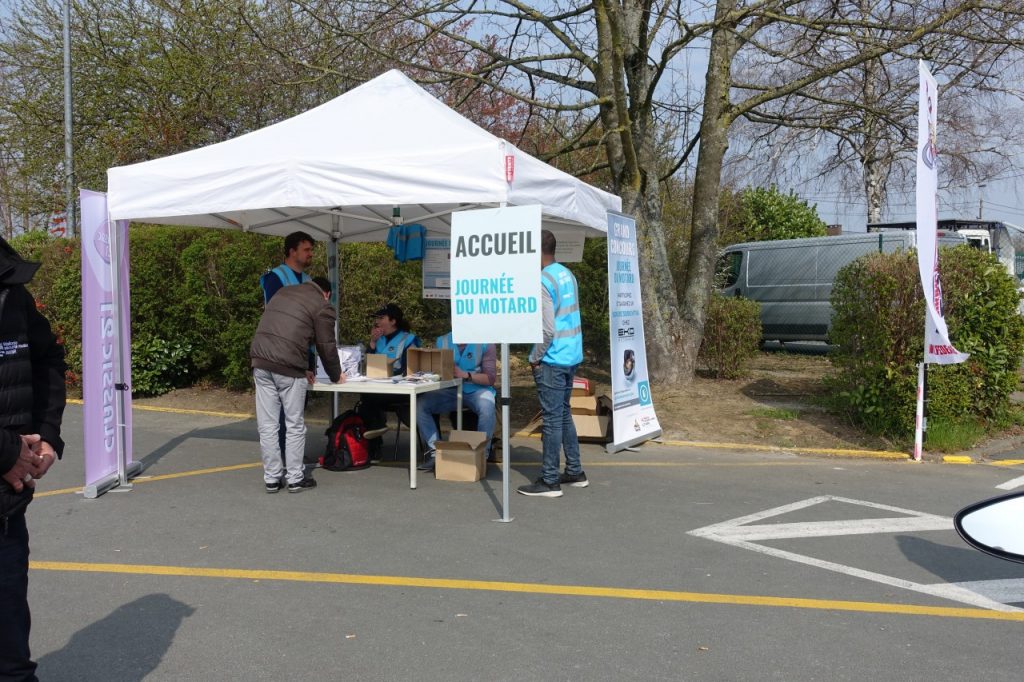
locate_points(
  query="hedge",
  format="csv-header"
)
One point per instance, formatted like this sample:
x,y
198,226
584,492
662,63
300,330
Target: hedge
x,y
732,334
878,324
196,300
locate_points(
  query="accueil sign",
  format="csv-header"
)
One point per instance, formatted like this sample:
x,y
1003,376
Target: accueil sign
x,y
495,276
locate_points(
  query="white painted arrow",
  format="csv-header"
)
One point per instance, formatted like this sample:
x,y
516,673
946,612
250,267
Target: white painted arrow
x,y
742,532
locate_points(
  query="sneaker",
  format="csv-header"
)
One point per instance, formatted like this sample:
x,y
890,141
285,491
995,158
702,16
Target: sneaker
x,y
427,464
577,481
274,487
304,484
541,489
375,433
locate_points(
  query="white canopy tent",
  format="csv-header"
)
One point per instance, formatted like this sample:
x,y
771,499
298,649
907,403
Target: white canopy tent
x,y
339,170
386,152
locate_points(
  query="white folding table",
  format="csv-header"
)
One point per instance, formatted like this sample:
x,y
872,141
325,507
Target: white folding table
x,y
400,387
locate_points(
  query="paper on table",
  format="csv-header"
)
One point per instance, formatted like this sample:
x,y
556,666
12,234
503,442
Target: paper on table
x,y
350,357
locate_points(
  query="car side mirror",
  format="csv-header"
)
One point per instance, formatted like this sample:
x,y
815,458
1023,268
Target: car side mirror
x,y
994,526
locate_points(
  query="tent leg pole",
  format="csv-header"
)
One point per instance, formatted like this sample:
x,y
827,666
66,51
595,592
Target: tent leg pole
x,y
120,371
506,459
334,273
919,420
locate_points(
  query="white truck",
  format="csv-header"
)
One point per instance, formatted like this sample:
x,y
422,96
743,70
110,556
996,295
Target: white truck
x,y
999,238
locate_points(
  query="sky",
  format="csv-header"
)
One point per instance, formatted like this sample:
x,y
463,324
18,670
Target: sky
x,y
999,199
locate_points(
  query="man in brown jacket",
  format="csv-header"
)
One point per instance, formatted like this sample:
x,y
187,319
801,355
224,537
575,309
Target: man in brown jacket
x,y
295,317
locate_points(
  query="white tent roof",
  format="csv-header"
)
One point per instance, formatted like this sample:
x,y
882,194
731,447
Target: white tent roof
x,y
341,168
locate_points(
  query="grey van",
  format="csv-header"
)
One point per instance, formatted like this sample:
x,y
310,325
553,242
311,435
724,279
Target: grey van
x,y
792,278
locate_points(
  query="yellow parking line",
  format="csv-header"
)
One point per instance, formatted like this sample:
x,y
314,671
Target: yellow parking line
x,y
204,413
877,454
164,477
402,464
531,588
59,491
957,459
253,465
1007,462
180,410
201,472
847,452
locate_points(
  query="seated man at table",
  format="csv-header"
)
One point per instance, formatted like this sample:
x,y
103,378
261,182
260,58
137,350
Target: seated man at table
x,y
475,364
392,336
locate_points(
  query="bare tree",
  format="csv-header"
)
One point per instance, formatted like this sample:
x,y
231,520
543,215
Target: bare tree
x,y
606,88
858,127
614,68
152,77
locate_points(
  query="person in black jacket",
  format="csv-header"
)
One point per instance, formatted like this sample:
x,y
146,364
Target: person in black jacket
x,y
32,398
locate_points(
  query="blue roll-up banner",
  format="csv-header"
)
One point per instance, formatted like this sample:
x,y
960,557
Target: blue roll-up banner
x,y
633,416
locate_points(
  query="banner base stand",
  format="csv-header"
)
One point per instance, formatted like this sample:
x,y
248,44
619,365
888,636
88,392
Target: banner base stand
x,y
508,520
111,482
612,448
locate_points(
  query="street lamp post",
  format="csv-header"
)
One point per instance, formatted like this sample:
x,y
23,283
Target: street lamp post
x,y
69,172
981,200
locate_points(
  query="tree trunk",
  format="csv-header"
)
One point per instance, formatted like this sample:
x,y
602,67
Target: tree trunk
x,y
663,324
714,142
623,76
874,187
872,157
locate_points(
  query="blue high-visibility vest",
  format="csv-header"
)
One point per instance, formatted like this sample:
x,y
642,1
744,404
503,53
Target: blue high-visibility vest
x,y
287,277
566,349
469,359
395,348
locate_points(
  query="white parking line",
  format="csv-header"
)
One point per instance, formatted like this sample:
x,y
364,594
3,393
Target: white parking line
x,y
742,532
1012,483
1009,591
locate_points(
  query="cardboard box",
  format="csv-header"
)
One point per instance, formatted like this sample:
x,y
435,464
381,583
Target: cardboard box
x,y
581,386
378,366
584,404
593,428
439,361
590,428
461,457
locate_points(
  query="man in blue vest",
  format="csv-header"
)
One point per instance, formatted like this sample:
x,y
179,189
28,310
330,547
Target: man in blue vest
x,y
298,255
554,362
476,364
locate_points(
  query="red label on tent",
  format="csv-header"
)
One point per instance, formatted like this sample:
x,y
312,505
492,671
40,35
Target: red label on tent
x,y
510,168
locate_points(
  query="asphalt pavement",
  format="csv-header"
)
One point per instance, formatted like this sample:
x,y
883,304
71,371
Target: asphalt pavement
x,y
676,563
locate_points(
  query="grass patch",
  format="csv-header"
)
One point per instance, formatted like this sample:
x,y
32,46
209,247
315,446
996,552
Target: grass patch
x,y
952,436
1012,418
780,413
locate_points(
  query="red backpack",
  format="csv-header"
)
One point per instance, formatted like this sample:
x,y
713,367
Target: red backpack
x,y
346,447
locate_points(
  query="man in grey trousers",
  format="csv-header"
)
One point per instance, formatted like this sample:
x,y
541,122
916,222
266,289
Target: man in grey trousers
x,y
296,317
